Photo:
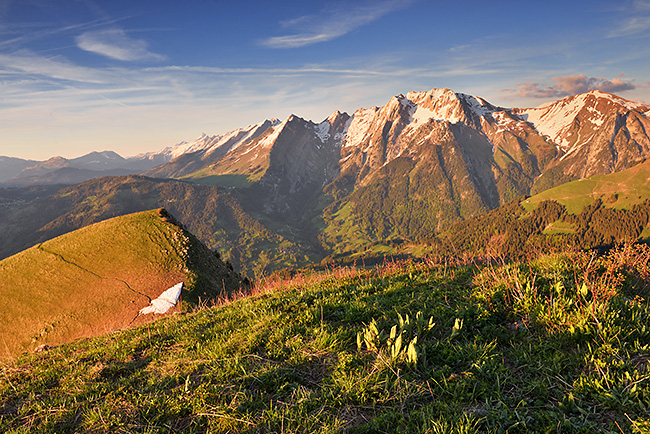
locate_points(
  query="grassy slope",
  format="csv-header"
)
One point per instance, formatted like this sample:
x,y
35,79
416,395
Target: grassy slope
x,y
94,280
618,190
514,349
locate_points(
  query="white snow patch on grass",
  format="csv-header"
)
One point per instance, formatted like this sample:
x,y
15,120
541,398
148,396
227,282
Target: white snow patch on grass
x,y
165,301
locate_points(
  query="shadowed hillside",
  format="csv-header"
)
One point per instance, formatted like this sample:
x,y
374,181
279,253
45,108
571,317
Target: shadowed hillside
x,y
213,214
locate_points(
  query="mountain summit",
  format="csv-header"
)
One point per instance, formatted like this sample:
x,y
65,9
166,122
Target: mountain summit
x,y
595,133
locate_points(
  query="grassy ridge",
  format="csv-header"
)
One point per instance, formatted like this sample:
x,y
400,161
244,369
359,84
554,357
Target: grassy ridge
x,y
96,279
558,345
617,190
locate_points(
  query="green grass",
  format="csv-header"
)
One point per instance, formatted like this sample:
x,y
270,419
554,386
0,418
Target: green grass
x,y
617,190
559,227
558,345
343,234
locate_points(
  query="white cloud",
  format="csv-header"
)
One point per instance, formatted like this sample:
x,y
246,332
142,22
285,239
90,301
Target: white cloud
x,y
331,24
21,34
115,44
307,70
632,26
571,85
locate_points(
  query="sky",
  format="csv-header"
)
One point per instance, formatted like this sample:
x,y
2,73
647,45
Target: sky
x,y
78,76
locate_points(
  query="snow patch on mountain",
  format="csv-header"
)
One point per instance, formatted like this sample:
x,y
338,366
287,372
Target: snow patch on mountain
x,y
553,120
478,106
266,141
422,115
109,155
322,130
630,105
446,105
360,123
204,143
442,105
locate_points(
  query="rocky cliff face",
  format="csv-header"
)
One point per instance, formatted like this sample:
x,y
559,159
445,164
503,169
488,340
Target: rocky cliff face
x,y
302,161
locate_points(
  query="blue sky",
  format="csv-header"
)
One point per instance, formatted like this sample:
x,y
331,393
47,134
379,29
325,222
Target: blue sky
x,y
135,76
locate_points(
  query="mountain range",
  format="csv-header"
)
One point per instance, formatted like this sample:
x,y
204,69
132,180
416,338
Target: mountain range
x,y
402,171
479,155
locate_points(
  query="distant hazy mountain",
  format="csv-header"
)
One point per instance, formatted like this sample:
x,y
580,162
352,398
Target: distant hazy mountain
x,y
11,167
15,172
63,176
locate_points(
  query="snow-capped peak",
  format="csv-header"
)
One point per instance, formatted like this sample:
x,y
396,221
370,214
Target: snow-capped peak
x,y
207,144
420,108
630,105
447,105
555,119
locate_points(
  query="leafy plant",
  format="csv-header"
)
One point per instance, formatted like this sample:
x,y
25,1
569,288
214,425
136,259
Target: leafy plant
x,y
394,344
455,330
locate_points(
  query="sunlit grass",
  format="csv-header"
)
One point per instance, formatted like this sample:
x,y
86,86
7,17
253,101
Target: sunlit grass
x,y
561,344
617,190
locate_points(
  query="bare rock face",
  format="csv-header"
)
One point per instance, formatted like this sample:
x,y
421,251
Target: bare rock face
x,y
303,159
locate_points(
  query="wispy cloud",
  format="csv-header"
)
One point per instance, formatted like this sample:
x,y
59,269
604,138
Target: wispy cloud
x,y
570,85
637,21
26,62
331,24
18,35
116,44
272,71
